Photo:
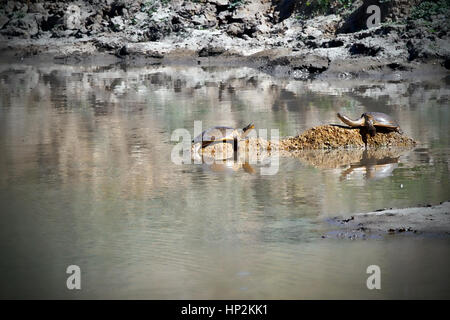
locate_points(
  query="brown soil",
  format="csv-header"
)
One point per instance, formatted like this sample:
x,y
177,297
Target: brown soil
x,y
253,147
334,137
324,137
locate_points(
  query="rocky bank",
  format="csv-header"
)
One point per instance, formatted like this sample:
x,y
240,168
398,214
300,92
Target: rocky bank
x,y
299,39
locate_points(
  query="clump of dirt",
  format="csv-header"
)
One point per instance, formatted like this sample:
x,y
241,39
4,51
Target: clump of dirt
x,y
334,137
324,137
251,146
258,144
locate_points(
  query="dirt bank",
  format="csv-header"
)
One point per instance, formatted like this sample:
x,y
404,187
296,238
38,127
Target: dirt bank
x,y
281,37
428,221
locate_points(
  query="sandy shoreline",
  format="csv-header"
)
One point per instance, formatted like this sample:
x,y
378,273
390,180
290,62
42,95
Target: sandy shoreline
x,y
429,220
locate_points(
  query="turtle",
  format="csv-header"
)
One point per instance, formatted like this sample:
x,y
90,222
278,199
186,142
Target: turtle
x,y
370,120
221,134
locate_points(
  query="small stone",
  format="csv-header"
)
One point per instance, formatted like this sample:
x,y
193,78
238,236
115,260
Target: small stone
x,y
220,2
235,29
72,17
118,24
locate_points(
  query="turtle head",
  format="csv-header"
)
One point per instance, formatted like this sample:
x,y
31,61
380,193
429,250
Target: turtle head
x,y
369,120
246,130
369,125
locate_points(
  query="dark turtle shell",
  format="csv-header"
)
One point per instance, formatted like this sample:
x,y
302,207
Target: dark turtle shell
x,y
381,119
215,134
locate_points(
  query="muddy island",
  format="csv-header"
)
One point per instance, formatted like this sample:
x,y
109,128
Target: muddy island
x,y
335,136
325,137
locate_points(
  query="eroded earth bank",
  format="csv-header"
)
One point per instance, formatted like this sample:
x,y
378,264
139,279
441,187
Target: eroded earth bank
x,y
299,39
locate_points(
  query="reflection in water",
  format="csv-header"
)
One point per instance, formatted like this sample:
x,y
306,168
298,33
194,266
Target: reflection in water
x,y
223,157
244,153
359,163
372,167
86,178
365,164
228,165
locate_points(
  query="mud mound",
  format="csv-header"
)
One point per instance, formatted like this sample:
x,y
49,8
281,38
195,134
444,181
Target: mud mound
x,y
250,147
322,137
334,137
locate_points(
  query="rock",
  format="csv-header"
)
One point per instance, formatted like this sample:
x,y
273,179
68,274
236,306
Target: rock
x,y
117,23
140,17
262,28
9,7
190,9
423,49
37,8
361,48
211,19
385,48
155,54
224,16
309,63
312,63
312,32
235,29
220,2
206,17
72,17
446,63
334,43
23,27
95,27
210,51
108,43
156,30
243,14
59,33
3,20
284,9
15,7
123,51
52,22
202,20
118,8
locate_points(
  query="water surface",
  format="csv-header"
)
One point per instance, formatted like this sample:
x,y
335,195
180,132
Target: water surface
x,y
87,179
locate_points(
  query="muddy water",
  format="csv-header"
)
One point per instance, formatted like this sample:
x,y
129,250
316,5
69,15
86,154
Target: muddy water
x,y
87,179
